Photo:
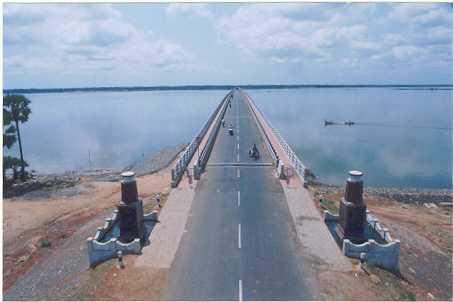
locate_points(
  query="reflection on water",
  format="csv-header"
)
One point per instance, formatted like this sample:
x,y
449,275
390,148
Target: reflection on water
x,y
400,140
403,137
68,131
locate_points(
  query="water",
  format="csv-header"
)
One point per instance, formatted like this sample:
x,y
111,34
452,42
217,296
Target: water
x,y
92,130
399,140
403,137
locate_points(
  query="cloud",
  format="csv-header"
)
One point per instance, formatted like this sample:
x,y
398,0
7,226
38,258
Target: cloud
x,y
189,9
349,33
80,38
422,14
407,51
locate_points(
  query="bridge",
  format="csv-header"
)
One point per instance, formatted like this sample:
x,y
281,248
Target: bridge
x,y
236,228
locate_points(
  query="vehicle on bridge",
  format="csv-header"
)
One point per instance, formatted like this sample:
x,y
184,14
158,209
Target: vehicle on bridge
x,y
254,153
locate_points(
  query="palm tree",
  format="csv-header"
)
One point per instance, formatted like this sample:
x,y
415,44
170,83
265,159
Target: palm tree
x,y
9,133
17,108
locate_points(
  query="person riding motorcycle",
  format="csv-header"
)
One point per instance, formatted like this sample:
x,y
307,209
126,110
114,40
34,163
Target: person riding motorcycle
x,y
253,152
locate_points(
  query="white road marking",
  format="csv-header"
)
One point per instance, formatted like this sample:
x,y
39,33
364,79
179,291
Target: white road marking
x,y
237,137
240,290
238,174
239,198
238,146
238,156
239,236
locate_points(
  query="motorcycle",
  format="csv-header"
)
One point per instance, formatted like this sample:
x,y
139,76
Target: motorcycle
x,y
254,153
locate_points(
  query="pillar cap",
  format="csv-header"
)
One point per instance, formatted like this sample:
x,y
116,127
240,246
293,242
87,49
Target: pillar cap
x,y
355,175
128,176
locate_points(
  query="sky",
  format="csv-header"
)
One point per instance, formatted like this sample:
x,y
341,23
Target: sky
x,y
133,44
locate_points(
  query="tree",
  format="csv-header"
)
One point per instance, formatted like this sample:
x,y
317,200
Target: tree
x,y
15,107
9,131
12,163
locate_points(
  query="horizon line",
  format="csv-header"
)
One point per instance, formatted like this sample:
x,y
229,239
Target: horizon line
x,y
213,87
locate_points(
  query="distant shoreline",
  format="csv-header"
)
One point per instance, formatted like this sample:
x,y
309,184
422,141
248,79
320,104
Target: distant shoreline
x,y
412,195
220,87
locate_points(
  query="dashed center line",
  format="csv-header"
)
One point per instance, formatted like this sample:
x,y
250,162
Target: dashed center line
x,y
238,146
240,290
239,198
239,237
238,157
238,173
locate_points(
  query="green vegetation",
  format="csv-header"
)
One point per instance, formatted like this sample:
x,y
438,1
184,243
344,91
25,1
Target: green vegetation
x,y
16,110
45,243
12,163
329,205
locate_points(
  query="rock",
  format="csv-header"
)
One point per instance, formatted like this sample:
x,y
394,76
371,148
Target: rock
x,y
22,259
45,182
430,205
431,296
375,279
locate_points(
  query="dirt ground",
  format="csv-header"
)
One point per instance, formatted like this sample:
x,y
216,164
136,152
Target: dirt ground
x,y
426,236
109,282
38,222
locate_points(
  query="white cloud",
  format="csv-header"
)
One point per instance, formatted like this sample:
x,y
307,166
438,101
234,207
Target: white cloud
x,y
76,38
339,33
422,13
407,51
189,9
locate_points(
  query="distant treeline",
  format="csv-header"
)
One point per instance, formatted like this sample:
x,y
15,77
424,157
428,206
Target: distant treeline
x,y
213,87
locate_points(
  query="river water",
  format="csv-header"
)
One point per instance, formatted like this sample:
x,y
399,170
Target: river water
x,y
402,138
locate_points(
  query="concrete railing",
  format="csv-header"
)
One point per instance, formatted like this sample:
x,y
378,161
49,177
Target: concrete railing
x,y
268,142
185,158
204,156
294,159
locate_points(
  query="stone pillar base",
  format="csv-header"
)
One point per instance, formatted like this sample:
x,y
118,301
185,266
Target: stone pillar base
x,y
131,221
352,221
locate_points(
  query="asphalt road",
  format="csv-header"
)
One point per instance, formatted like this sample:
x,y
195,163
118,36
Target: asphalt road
x,y
240,242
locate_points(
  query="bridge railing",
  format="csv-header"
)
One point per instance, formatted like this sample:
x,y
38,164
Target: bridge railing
x,y
204,156
295,161
186,156
292,156
267,140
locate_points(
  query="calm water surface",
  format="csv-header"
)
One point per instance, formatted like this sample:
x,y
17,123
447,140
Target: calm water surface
x,y
78,131
402,137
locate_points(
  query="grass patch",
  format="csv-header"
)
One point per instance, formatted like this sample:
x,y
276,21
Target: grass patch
x,y
329,205
392,286
45,243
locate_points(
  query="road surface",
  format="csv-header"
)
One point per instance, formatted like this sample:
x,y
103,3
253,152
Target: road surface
x,y
240,242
